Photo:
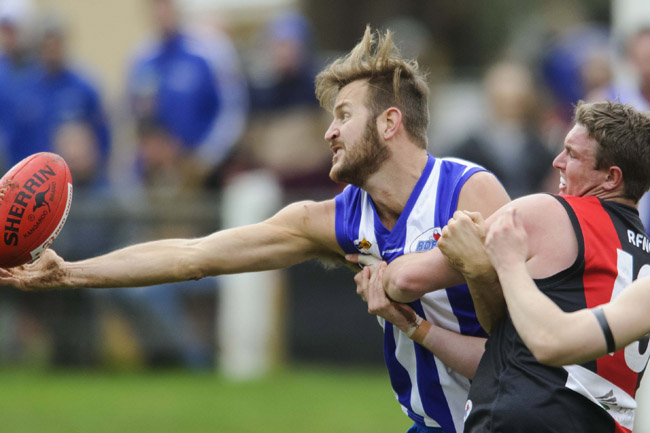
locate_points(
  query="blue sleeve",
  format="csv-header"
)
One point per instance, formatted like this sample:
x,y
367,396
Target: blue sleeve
x,y
348,215
454,175
461,182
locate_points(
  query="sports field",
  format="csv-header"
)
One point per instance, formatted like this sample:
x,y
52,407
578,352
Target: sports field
x,y
297,400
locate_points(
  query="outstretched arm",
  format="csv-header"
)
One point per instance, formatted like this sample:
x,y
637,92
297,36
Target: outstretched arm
x,y
460,352
298,232
553,336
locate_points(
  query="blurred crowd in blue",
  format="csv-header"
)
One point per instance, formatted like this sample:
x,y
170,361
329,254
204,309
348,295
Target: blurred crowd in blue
x,y
205,107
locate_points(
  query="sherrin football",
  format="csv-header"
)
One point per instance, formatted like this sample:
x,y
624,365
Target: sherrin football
x,y
35,198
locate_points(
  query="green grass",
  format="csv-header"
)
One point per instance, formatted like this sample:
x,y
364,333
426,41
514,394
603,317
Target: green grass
x,y
299,400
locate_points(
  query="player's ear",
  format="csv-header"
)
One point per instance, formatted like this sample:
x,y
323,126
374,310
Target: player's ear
x,y
614,178
389,122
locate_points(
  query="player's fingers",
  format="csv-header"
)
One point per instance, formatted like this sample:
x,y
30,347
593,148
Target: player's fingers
x,y
362,278
476,217
376,276
377,300
368,260
444,236
8,279
461,219
354,258
359,278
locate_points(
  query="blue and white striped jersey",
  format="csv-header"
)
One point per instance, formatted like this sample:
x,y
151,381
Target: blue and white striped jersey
x,y
430,392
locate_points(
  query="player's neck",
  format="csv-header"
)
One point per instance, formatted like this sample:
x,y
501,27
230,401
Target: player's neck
x,y
391,187
618,195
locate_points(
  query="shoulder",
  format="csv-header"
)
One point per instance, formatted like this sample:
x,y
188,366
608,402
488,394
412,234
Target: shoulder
x,y
543,210
461,162
552,240
483,193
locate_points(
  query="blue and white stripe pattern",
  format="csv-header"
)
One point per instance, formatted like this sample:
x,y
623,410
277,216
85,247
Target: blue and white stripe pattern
x,y
430,392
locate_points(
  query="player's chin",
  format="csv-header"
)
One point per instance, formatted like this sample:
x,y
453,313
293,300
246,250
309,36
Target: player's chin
x,y
335,173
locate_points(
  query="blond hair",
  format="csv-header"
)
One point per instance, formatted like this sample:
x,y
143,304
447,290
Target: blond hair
x,y
392,82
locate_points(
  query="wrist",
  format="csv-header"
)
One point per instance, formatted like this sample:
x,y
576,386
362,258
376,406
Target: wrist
x,y
414,326
420,332
511,268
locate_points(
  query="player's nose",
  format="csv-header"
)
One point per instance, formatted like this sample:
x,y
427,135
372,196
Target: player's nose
x,y
332,132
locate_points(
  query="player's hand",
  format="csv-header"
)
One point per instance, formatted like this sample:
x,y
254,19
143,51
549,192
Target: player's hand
x,y
362,259
506,241
462,243
370,288
46,273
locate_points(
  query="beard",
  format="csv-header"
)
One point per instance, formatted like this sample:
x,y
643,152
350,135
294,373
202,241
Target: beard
x,y
362,159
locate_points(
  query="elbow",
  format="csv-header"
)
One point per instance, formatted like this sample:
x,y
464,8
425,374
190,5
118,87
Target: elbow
x,y
192,265
194,272
402,287
549,351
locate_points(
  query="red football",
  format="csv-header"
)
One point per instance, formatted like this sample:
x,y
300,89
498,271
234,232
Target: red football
x,y
35,198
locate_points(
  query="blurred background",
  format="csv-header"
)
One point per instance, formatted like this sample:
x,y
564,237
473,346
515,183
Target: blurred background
x,y
182,117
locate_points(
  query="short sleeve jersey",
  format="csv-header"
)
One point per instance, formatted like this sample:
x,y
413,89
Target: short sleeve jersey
x,y
430,392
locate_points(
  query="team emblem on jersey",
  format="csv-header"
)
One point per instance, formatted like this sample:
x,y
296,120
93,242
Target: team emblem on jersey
x,y
427,240
363,244
468,409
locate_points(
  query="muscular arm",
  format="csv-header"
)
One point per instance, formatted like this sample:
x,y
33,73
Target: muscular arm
x,y
411,276
553,336
460,352
298,232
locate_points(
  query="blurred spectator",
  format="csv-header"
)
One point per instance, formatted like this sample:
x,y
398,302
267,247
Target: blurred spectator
x,y
190,102
17,65
636,91
77,143
286,125
71,320
283,76
165,169
509,143
191,86
568,66
56,94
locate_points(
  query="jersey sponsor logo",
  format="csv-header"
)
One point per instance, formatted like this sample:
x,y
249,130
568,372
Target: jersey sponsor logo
x,y
362,244
427,240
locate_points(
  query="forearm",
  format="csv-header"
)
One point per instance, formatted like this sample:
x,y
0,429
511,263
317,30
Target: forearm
x,y
145,264
459,352
409,277
298,232
237,250
487,299
553,336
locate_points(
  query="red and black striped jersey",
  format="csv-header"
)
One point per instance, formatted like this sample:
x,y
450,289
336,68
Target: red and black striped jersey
x,y
512,392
